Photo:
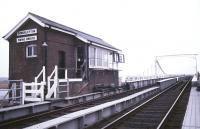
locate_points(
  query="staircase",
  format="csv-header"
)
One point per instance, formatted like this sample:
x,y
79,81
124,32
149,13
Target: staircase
x,y
56,87
59,88
52,84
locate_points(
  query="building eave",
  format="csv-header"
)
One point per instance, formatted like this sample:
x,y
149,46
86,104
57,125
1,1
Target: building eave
x,y
105,47
82,39
44,24
70,33
28,16
61,30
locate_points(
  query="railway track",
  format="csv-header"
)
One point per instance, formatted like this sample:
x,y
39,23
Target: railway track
x,y
176,116
158,112
41,117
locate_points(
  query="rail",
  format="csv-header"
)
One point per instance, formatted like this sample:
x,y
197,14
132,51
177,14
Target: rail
x,y
115,122
172,107
13,95
87,117
71,103
109,125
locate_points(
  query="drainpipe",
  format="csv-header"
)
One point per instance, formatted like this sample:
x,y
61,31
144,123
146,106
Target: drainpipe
x,y
44,45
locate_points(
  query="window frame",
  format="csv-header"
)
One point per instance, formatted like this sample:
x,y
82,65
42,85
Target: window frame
x,y
33,48
121,58
92,62
100,58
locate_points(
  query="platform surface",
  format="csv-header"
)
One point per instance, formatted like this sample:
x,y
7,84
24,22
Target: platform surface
x,y
22,106
192,115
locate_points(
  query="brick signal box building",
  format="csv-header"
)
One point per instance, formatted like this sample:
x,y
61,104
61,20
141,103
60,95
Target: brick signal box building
x,y
36,41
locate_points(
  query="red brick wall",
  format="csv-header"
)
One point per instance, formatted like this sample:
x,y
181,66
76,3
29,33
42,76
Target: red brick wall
x,y
21,67
24,68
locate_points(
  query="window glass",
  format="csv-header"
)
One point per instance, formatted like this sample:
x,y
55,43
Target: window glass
x,y
110,60
102,58
116,57
105,58
34,50
92,56
31,51
121,58
99,57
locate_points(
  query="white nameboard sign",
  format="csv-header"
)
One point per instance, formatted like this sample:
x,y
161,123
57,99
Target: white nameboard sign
x,y
26,39
27,32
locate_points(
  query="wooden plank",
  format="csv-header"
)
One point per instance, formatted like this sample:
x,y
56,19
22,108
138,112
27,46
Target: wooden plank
x,y
71,80
32,99
32,91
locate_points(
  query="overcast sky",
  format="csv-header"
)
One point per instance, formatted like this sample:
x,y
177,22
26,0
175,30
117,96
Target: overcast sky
x,y
142,29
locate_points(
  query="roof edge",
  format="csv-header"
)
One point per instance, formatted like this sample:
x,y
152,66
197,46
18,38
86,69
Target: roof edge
x,y
83,39
35,19
28,16
105,47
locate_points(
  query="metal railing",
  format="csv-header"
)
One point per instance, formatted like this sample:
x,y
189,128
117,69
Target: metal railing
x,y
13,95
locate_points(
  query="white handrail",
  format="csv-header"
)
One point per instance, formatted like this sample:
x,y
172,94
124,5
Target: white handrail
x,y
66,72
54,83
37,93
43,73
52,88
33,83
56,67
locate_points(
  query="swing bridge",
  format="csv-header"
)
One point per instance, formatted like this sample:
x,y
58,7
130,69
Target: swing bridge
x,y
21,92
51,92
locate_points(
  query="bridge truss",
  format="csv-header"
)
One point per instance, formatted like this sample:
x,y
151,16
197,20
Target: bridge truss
x,y
158,67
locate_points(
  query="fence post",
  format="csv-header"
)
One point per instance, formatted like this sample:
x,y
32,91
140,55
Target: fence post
x,y
23,92
44,74
12,91
34,87
48,84
67,87
42,92
56,81
66,74
13,88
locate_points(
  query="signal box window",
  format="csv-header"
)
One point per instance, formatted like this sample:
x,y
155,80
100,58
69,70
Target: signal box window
x,y
31,51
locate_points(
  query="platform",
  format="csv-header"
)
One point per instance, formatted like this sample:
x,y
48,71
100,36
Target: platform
x,y
192,115
87,117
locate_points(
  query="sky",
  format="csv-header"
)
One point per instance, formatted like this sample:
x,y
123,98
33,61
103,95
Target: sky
x,y
142,29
